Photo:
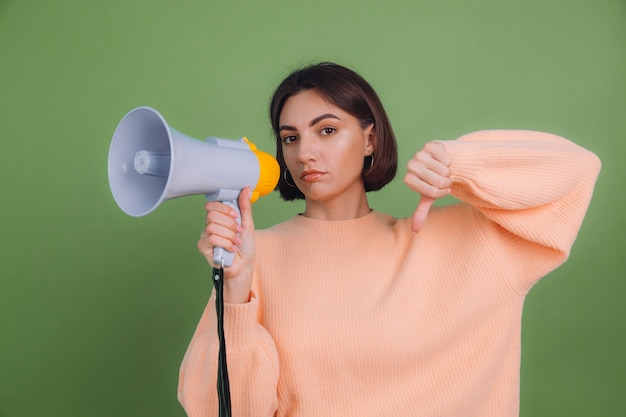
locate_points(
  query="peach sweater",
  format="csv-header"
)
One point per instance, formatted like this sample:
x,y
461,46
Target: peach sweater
x,y
365,318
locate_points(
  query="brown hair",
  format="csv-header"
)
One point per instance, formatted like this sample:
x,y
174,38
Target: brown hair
x,y
347,90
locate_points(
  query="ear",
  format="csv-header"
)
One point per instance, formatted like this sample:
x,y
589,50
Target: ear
x,y
369,134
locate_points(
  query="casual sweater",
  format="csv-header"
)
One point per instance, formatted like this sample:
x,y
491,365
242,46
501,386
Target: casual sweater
x,y
364,318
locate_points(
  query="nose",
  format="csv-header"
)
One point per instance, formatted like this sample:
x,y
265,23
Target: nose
x,y
307,149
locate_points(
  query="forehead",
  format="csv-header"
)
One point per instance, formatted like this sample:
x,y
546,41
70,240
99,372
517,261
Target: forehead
x,y
306,106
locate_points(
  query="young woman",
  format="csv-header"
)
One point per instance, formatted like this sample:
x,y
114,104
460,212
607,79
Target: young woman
x,y
346,311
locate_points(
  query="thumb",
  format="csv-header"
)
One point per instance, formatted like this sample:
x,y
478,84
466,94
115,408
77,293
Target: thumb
x,y
245,208
420,213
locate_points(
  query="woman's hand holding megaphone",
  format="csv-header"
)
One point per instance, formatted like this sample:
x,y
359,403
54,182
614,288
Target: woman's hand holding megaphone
x,y
223,230
428,173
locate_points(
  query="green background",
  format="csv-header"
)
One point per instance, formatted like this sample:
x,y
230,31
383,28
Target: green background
x,y
97,308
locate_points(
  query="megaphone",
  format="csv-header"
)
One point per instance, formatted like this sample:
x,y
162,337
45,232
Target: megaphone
x,y
150,163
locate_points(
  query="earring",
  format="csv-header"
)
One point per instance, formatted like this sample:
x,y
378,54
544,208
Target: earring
x,y
371,161
286,180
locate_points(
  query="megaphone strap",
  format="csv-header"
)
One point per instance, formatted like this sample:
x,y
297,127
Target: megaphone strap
x,y
223,384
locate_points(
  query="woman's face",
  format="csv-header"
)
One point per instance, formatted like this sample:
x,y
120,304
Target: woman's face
x,y
323,147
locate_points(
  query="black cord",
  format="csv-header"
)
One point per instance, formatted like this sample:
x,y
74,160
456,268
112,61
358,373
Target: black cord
x,y
223,385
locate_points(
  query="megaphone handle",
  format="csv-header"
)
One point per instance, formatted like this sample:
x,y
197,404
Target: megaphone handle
x,y
221,257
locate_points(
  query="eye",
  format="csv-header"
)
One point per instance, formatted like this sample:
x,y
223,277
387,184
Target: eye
x,y
328,131
288,139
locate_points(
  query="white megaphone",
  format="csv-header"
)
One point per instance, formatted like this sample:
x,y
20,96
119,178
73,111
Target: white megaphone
x,y
150,162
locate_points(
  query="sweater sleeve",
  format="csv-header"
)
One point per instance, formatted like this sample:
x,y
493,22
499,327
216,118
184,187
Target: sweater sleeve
x,y
533,188
252,364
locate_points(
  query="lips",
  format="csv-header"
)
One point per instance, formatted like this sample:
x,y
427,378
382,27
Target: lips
x,y
311,175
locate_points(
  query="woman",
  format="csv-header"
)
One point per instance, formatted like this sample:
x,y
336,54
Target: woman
x,y
346,311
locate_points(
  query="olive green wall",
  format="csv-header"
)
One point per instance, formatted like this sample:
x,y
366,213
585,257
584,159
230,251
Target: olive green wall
x,y
97,308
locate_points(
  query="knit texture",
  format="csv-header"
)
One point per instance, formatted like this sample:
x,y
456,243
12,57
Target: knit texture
x,y
366,318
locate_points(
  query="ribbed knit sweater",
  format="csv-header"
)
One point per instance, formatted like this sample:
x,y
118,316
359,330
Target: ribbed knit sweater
x,y
366,318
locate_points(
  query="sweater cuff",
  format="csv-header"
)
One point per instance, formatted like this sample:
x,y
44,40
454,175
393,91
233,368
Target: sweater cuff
x,y
240,320
466,157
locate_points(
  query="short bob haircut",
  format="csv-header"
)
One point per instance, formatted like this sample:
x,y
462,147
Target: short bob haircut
x,y
345,89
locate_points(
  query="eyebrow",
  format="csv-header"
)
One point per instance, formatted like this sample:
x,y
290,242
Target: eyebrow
x,y
313,122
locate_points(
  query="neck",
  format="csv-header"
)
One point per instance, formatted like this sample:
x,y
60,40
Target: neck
x,y
337,209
